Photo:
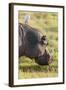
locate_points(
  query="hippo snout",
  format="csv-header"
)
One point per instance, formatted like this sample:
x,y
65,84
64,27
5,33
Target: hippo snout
x,y
45,59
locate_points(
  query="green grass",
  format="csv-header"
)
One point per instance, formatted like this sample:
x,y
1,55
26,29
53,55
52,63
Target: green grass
x,y
47,23
27,75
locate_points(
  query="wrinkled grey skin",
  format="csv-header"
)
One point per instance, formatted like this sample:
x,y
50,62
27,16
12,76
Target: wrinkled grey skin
x,y
33,44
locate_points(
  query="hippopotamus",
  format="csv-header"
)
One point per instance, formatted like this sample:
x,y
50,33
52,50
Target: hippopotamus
x,y
33,44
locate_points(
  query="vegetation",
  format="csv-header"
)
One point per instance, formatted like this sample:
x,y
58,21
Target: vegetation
x,y
47,23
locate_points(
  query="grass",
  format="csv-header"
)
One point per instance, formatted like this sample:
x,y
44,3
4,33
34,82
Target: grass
x,y
27,75
47,23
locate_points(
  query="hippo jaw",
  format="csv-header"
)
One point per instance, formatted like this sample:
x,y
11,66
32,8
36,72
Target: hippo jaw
x,y
45,59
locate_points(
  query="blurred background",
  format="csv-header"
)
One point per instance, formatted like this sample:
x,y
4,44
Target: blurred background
x,y
47,23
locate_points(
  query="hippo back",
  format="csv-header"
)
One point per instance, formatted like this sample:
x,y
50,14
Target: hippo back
x,y
30,41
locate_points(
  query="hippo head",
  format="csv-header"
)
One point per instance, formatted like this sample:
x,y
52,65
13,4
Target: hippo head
x,y
33,43
45,59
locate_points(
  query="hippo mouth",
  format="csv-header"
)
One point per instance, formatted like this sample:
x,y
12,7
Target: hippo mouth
x,y
45,59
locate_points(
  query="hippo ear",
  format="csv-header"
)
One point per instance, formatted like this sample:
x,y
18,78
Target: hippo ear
x,y
44,40
43,37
